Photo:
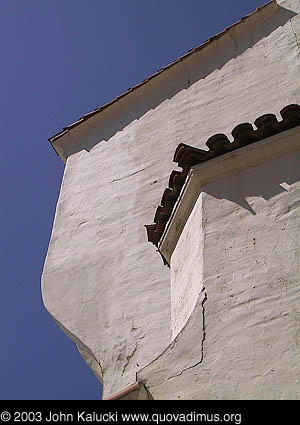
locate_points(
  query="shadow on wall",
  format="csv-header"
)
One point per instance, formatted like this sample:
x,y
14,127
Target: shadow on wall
x,y
102,124
269,180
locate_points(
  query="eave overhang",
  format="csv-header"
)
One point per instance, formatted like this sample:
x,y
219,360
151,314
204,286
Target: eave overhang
x,y
268,8
270,139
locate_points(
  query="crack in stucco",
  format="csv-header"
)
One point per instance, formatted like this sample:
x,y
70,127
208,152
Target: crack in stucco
x,y
128,359
202,341
202,345
90,299
297,41
129,175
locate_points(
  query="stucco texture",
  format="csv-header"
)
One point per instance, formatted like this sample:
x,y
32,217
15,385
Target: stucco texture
x,y
102,282
249,257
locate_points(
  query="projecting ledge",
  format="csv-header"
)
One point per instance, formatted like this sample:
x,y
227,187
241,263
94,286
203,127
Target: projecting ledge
x,y
217,168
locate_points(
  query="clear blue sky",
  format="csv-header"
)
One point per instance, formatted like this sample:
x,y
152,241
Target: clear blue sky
x,y
59,60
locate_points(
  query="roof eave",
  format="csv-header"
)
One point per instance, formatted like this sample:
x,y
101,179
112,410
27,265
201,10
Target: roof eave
x,y
176,61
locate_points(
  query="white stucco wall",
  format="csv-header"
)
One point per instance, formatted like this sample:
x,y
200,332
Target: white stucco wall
x,y
186,273
250,264
102,281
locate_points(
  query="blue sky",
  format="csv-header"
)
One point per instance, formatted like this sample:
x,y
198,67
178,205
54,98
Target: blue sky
x,y
59,60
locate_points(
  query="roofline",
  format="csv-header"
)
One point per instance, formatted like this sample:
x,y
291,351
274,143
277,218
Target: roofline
x,y
218,145
189,53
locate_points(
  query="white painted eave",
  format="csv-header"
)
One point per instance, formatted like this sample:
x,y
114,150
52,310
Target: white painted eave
x,y
62,142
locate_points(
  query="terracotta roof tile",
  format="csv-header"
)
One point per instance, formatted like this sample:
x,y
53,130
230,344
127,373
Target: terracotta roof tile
x,y
187,156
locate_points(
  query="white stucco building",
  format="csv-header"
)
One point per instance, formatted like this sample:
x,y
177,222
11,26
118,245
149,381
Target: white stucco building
x,y
223,320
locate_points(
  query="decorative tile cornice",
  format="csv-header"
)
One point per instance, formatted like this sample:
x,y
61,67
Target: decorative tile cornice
x,y
187,156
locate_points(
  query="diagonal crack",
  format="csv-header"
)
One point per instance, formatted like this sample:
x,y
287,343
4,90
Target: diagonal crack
x,y
202,341
129,175
128,358
295,34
